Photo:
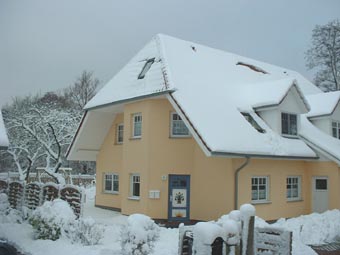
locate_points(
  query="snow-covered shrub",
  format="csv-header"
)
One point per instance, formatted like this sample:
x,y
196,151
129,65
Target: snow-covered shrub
x,y
139,235
50,219
85,231
7,214
4,204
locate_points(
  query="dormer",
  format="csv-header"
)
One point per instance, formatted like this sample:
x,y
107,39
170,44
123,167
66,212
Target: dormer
x,y
283,116
325,112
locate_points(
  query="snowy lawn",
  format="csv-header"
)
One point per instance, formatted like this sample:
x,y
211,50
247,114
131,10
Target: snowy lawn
x,y
310,229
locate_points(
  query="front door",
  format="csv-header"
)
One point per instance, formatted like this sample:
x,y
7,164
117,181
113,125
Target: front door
x,y
179,198
320,194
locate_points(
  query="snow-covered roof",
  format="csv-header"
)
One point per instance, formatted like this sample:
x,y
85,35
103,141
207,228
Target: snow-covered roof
x,y
323,103
3,135
210,88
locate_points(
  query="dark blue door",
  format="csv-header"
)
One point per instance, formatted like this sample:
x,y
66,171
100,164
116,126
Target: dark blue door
x,y
179,198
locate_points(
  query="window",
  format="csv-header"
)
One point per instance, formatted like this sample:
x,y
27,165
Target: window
x,y
111,183
293,187
259,188
178,128
146,68
289,124
336,129
137,125
252,122
120,133
135,185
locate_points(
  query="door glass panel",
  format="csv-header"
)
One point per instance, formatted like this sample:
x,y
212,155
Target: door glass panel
x,y
321,184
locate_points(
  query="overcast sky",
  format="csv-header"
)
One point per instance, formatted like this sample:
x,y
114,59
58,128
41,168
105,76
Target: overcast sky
x,y
45,44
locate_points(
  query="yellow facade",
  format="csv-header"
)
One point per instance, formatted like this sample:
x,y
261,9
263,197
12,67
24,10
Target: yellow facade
x,y
156,155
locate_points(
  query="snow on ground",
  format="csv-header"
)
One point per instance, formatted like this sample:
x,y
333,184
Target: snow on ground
x,y
309,229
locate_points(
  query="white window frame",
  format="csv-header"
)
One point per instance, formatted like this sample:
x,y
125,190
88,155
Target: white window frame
x,y
134,116
289,126
134,179
258,200
114,178
293,198
172,127
120,133
337,126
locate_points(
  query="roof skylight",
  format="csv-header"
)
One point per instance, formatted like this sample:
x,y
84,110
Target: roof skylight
x,y
146,68
252,122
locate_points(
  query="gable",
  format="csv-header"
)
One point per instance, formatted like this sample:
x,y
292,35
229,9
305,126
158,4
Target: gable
x,y
293,103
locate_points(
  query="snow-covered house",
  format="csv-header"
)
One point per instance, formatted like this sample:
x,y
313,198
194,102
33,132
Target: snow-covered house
x,y
185,131
3,135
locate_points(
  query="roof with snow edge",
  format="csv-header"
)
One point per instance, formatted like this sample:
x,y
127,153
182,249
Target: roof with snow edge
x,y
186,71
3,135
323,103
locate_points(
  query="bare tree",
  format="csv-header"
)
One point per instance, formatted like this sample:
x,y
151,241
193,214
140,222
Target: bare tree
x,y
324,54
83,89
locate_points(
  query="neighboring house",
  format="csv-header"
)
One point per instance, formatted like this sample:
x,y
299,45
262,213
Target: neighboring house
x,y
185,131
3,135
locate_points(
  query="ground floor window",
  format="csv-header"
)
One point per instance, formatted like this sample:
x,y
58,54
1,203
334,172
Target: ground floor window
x,y
135,185
293,187
111,182
259,188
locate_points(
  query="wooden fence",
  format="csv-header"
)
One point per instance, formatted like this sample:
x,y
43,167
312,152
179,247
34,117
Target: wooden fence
x,y
35,194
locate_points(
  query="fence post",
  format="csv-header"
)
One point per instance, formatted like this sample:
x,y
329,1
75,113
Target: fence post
x,y
247,236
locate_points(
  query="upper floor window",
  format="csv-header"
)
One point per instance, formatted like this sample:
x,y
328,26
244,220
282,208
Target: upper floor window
x,y
146,68
111,182
178,128
259,188
293,187
120,133
289,124
336,129
137,125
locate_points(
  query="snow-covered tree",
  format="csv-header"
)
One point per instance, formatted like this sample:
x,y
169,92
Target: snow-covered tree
x,y
40,131
324,54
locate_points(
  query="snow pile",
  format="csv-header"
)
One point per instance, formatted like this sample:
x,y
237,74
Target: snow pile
x,y
139,235
205,234
51,218
229,227
314,228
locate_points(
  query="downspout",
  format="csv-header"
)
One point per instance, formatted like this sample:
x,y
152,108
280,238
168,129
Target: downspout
x,y
237,172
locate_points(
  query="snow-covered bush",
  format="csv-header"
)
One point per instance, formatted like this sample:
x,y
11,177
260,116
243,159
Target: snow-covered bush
x,y
139,235
50,219
85,231
7,214
4,204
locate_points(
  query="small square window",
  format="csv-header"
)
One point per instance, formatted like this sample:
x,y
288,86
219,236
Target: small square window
x,y
178,127
293,188
111,184
259,188
137,125
120,133
289,124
